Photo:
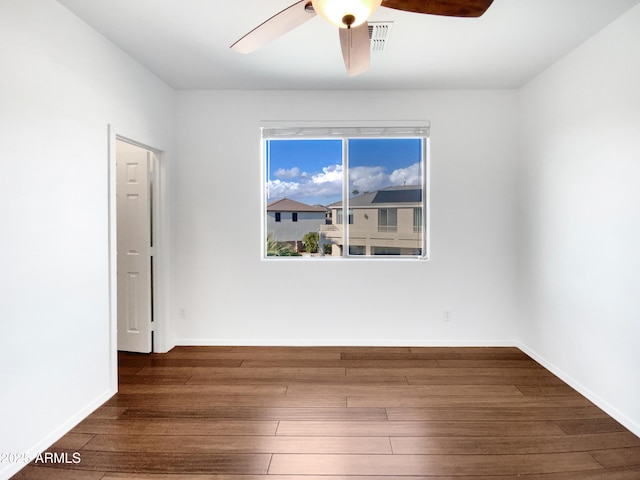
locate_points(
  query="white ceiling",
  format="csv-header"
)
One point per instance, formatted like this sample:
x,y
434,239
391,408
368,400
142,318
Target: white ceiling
x,y
186,43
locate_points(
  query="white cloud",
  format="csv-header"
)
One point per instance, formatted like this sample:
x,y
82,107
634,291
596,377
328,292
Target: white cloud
x,y
284,173
407,176
330,174
327,183
370,179
278,189
367,179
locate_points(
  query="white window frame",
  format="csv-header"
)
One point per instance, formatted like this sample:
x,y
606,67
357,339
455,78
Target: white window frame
x,y
344,130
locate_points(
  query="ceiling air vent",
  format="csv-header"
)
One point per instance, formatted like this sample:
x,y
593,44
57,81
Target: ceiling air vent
x,y
379,35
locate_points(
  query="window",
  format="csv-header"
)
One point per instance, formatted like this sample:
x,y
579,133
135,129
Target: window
x,y
388,220
339,216
378,174
278,217
417,219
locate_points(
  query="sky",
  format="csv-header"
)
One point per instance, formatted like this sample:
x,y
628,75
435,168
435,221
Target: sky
x,y
311,171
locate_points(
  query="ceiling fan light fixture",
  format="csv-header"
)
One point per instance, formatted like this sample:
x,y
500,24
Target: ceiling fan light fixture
x,y
345,13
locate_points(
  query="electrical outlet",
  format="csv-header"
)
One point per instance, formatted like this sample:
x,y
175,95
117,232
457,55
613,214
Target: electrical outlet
x,y
182,313
446,315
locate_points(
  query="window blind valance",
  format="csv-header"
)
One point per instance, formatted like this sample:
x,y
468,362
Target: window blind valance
x,y
382,129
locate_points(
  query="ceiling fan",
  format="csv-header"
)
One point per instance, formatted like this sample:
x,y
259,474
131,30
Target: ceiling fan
x,y
351,17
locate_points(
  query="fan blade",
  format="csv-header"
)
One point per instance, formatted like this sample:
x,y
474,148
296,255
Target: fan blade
x,y
281,23
356,49
450,8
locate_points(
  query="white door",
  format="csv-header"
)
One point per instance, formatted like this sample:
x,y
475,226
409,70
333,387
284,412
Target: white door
x,y
133,167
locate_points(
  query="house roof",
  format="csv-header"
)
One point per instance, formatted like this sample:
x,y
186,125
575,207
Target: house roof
x,y
404,194
288,205
388,195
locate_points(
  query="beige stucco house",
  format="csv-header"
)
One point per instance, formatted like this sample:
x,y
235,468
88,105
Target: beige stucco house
x,y
385,222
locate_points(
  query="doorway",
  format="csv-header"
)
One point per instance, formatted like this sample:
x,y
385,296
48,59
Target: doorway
x,y
135,188
154,231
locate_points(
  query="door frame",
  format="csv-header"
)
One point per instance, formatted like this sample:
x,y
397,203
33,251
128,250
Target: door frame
x,y
159,297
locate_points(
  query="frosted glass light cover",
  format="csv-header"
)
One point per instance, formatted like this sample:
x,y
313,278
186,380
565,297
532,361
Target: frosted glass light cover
x,y
334,11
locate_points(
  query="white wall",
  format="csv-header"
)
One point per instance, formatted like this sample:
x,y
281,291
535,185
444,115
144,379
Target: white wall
x,y
61,85
231,296
580,218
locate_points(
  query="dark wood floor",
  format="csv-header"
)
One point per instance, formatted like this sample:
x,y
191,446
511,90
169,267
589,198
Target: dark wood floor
x,y
246,413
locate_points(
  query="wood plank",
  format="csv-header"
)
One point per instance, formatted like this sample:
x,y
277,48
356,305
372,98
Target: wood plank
x,y
254,353
494,413
417,429
496,445
287,464
619,457
257,413
206,400
465,401
175,427
508,378
473,353
402,391
590,425
239,444
72,441
244,372
108,412
165,362
313,363
32,472
199,389
447,372
207,378
166,462
435,353
129,370
546,390
608,474
152,379
488,363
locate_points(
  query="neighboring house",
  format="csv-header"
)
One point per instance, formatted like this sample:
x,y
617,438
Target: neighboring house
x,y
385,222
289,220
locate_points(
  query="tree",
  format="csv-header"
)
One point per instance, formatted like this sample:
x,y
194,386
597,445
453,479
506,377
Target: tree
x,y
310,242
277,249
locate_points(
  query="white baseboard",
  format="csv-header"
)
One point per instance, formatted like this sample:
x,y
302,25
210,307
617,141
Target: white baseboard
x,y
609,409
58,433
